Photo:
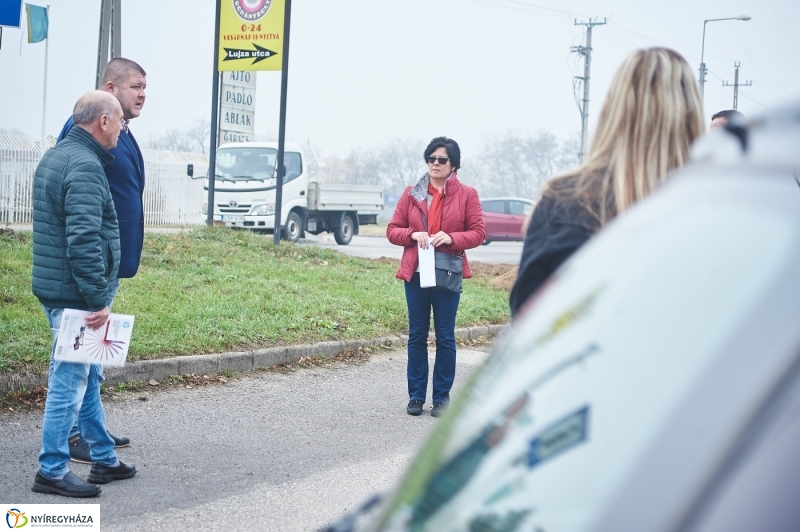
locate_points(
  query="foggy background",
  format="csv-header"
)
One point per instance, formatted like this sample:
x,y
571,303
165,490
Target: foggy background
x,y
371,82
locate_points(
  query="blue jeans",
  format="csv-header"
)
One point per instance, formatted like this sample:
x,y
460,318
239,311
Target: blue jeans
x,y
73,395
445,305
113,288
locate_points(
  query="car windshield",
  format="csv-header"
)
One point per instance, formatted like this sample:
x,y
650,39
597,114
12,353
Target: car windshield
x,y
246,164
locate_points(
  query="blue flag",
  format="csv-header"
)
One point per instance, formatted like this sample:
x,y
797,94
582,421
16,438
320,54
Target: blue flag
x,y
37,23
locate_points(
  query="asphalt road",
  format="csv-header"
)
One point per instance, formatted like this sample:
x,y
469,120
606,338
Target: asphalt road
x,y
267,451
373,247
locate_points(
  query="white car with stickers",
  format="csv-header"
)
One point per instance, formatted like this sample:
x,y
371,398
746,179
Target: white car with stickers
x,y
654,382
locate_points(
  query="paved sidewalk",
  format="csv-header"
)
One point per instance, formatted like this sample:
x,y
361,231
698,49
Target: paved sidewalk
x,y
264,451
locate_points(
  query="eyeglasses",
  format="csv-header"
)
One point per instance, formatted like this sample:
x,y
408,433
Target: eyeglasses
x,y
442,160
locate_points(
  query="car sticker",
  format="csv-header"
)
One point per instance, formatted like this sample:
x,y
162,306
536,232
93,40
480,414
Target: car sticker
x,y
567,318
559,437
494,522
504,491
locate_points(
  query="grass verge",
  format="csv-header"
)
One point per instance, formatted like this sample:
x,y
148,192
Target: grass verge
x,y
213,290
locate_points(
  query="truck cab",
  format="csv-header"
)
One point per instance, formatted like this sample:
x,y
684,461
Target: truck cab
x,y
245,182
244,195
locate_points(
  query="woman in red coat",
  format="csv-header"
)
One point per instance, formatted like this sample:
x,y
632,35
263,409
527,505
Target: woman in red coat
x,y
454,224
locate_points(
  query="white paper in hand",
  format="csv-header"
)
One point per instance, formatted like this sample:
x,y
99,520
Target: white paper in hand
x,y
107,346
427,267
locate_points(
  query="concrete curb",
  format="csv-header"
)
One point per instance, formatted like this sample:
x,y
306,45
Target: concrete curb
x,y
240,361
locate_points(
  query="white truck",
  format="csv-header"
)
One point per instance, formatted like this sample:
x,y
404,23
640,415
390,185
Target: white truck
x,y
244,195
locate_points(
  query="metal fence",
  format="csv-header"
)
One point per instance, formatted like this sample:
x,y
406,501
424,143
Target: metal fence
x,y
170,197
18,159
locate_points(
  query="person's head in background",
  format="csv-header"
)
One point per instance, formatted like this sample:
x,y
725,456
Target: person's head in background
x,y
650,118
720,119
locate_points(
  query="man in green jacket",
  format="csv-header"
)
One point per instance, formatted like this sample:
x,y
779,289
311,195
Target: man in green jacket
x,y
75,260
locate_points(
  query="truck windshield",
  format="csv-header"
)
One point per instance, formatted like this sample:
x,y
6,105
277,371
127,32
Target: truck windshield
x,y
246,164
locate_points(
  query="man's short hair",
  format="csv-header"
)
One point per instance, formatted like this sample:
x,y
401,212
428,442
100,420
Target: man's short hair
x,y
729,113
119,69
89,109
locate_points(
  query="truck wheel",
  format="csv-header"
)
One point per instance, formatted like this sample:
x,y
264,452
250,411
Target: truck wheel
x,y
344,233
293,228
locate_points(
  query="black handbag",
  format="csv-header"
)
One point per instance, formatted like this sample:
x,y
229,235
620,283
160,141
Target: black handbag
x,y
448,271
449,268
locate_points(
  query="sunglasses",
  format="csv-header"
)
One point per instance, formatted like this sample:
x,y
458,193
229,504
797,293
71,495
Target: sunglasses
x,y
432,159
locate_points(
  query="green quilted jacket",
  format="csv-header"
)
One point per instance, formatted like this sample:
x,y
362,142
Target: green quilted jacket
x,y
75,231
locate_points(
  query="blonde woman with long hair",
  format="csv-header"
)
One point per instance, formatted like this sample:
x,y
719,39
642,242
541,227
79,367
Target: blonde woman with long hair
x,y
650,118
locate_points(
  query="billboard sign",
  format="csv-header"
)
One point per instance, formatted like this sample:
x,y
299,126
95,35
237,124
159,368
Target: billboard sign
x,y
237,113
250,35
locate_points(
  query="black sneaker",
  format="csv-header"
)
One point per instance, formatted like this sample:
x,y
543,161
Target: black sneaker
x,y
79,450
438,409
69,486
103,474
414,408
120,441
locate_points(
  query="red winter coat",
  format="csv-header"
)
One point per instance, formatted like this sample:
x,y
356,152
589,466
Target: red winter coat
x,y
462,219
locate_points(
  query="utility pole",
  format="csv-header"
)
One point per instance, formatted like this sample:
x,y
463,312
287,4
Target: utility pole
x,y
110,34
44,87
585,51
736,86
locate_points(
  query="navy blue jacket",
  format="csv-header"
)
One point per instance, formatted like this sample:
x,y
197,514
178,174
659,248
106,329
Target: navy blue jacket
x,y
125,177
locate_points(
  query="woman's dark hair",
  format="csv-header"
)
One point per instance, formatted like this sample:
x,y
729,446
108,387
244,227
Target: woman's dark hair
x,y
451,146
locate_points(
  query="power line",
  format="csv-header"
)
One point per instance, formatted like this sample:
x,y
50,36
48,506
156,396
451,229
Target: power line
x,y
516,8
778,96
693,53
617,37
755,101
796,95
561,11
686,50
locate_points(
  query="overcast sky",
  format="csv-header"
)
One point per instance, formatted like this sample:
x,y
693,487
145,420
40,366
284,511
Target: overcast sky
x,y
366,71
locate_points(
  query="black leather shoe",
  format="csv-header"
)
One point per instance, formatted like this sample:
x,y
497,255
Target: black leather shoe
x,y
79,450
69,486
120,441
414,408
438,409
103,474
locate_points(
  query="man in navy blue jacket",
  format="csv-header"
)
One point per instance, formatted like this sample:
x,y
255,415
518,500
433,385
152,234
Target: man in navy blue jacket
x,y
126,81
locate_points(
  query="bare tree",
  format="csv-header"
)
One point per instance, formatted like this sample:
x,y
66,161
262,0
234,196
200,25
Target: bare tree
x,y
514,165
195,139
568,157
12,131
353,168
395,165
402,163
